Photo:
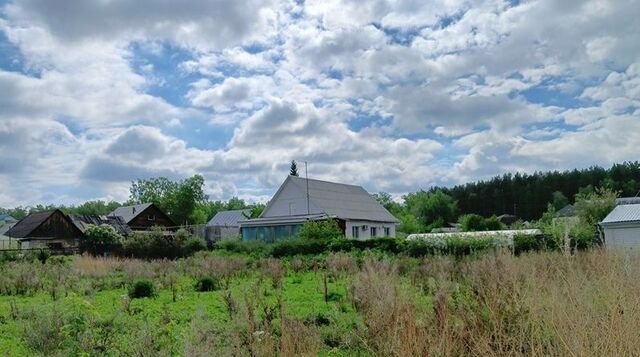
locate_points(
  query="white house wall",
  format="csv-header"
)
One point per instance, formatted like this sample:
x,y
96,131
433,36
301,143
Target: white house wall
x,y
290,201
366,233
622,236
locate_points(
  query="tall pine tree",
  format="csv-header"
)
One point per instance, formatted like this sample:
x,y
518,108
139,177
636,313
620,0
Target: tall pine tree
x,y
293,171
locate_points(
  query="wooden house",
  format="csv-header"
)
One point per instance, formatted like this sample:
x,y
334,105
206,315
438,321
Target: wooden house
x,y
143,217
48,229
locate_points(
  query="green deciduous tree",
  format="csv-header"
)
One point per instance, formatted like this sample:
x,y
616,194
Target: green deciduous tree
x,y
178,199
432,209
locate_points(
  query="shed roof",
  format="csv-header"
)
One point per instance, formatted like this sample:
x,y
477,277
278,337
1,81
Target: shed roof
x,y
623,213
343,201
130,212
566,211
229,218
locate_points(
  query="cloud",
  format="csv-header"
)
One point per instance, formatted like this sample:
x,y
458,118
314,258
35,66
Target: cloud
x,y
201,24
393,95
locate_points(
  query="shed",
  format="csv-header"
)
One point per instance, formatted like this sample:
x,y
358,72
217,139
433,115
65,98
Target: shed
x,y
226,224
47,229
143,217
621,227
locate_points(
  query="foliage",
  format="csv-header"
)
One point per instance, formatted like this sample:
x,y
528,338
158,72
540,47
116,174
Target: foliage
x,y
523,243
142,288
254,247
206,283
297,246
454,245
529,194
476,223
178,199
432,209
593,207
293,170
254,211
315,230
99,239
159,243
559,200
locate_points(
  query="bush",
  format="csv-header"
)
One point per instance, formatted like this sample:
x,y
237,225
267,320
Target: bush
x,y
98,239
142,288
452,245
254,247
206,283
291,247
476,223
526,243
327,229
193,245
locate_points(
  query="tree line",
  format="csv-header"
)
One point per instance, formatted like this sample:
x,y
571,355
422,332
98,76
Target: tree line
x,y
525,195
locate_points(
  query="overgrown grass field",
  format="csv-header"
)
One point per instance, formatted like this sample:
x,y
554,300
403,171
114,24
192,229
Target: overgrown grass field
x,y
359,303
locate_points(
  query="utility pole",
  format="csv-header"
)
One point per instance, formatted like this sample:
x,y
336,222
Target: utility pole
x,y
306,174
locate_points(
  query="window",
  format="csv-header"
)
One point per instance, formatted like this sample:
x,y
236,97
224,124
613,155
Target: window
x,y
374,231
151,217
355,232
387,232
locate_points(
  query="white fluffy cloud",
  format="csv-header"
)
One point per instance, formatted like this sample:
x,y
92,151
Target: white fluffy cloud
x,y
394,95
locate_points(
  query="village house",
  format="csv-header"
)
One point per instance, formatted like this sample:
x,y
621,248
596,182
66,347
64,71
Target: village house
x,y
299,200
48,229
143,217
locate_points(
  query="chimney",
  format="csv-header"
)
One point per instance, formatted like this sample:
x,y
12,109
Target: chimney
x,y
133,210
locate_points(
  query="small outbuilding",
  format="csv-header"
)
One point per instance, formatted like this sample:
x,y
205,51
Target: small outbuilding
x,y
226,224
621,227
143,217
48,229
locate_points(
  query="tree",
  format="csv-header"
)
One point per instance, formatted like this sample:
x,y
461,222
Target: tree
x,y
432,209
559,200
178,199
472,223
293,171
254,211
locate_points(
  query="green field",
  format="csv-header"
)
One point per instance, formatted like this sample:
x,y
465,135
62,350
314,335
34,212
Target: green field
x,y
366,303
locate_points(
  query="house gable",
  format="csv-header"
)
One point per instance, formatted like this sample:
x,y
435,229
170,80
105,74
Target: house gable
x,y
290,200
149,217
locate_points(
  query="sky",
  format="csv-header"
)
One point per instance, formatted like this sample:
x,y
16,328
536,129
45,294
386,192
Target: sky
x,y
396,96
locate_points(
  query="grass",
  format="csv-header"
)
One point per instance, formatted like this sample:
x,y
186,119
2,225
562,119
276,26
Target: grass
x,y
336,304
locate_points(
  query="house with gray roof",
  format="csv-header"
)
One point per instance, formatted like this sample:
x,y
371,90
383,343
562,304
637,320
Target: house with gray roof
x,y
299,200
621,227
226,224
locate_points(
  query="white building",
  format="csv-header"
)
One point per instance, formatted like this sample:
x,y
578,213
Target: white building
x,y
621,227
299,200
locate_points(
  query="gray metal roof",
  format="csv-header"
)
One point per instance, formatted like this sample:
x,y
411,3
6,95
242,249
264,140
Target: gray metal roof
x,y
567,211
623,213
344,201
229,218
130,212
627,201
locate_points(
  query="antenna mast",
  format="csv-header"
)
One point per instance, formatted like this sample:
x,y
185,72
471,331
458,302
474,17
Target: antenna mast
x,y
306,174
